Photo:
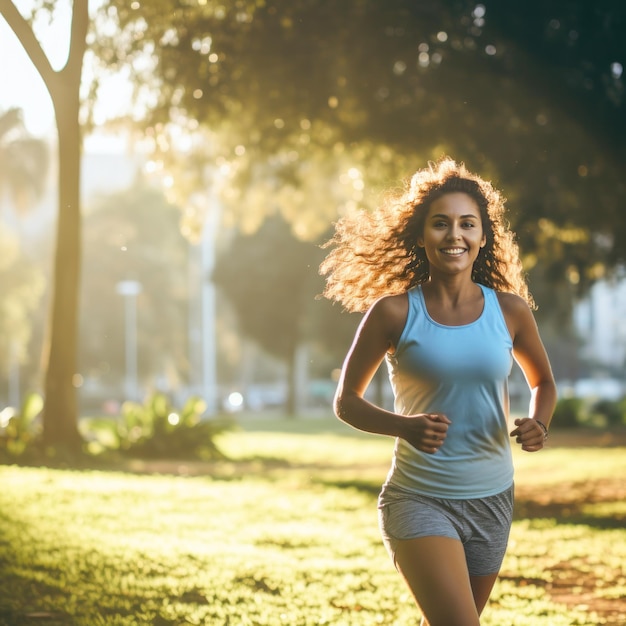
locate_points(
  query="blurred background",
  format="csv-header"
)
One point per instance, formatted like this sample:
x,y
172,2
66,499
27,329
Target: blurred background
x,y
221,140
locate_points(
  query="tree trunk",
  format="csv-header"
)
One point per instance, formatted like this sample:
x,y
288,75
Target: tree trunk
x,y
60,417
290,403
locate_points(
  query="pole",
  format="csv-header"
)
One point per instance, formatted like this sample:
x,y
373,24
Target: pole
x,y
209,314
130,289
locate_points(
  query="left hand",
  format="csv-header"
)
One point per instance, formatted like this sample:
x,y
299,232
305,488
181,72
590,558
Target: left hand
x,y
528,434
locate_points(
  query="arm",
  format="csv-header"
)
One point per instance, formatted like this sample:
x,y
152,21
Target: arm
x,y
378,334
530,354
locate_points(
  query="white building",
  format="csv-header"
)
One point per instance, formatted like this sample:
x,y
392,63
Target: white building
x,y
600,320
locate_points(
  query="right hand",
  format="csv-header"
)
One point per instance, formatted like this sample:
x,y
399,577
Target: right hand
x,y
426,431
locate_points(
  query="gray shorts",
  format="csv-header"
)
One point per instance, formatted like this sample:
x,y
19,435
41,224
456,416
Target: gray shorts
x,y
482,525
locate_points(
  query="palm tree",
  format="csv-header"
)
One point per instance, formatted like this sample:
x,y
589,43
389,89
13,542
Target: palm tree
x,y
24,162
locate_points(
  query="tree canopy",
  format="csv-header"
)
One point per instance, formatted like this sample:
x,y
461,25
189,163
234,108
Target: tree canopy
x,y
268,276
531,97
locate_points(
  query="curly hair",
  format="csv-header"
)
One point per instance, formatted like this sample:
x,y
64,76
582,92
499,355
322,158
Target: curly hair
x,y
376,254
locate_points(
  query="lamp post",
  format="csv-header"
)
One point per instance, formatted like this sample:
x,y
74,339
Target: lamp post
x,y
130,289
209,331
14,375
203,314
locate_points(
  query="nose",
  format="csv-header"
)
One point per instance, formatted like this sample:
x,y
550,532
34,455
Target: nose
x,y
454,233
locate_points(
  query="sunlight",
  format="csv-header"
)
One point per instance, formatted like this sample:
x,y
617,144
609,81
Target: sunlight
x,y
24,87
5,416
27,91
235,401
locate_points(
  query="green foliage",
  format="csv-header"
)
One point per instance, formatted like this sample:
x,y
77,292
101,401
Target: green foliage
x,y
297,94
575,412
268,277
282,539
608,413
568,413
157,430
21,435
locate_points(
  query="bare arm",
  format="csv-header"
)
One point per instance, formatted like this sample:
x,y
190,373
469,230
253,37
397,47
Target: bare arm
x,y
531,356
378,334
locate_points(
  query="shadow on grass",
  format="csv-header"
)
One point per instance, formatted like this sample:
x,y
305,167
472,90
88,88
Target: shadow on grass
x,y
576,519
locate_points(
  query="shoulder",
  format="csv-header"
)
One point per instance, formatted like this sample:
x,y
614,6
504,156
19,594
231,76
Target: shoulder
x,y
391,309
512,303
516,311
389,315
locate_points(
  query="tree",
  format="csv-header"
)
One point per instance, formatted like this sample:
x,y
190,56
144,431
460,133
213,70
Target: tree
x,y
60,427
268,277
23,162
393,84
23,170
134,235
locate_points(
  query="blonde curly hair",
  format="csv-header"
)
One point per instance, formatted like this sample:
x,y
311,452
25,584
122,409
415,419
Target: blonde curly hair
x,y
376,254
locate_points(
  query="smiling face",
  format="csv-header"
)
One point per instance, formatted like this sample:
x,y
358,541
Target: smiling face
x,y
453,233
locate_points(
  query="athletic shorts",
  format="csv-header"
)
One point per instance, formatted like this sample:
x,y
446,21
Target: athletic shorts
x,y
482,525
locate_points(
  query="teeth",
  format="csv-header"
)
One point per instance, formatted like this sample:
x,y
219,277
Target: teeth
x,y
453,250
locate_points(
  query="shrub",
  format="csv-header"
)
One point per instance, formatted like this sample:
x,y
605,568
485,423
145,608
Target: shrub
x,y
608,413
21,435
155,429
568,413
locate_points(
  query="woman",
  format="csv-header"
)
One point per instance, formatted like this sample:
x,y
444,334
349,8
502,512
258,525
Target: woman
x,y
439,274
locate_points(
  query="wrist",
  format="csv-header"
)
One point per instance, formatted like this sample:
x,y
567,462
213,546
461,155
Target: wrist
x,y
544,428
397,426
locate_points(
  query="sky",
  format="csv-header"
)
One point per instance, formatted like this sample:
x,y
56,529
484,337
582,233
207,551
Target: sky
x,y
21,86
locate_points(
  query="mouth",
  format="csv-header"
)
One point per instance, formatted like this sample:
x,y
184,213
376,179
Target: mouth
x,y
453,251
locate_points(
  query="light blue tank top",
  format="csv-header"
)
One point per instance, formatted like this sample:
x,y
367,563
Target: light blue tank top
x,y
461,371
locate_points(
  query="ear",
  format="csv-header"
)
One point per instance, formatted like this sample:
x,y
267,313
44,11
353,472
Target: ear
x,y
483,242
420,242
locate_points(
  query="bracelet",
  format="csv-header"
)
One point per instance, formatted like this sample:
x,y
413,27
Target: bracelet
x,y
544,428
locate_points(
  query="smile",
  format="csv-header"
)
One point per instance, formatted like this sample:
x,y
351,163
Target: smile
x,y
453,251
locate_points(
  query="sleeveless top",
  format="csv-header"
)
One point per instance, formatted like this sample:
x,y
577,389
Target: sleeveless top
x,y
462,372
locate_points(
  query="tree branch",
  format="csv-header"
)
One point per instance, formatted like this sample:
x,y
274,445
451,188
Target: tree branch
x,y
78,37
27,38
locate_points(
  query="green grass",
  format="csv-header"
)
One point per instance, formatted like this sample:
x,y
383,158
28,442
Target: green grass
x,y
286,533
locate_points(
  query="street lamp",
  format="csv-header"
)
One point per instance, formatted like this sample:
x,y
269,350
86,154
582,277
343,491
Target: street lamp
x,y
130,289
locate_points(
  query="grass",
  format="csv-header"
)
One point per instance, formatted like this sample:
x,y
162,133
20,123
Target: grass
x,y
286,533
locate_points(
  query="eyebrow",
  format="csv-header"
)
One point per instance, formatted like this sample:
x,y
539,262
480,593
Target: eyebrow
x,y
463,217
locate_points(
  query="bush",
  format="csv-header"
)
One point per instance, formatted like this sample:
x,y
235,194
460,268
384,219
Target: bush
x,y
608,413
568,413
577,412
21,434
155,429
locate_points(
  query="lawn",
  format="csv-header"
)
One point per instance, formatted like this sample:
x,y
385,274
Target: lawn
x,y
286,533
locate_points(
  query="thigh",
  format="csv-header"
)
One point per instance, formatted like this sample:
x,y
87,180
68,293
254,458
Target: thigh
x,y
435,571
481,589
